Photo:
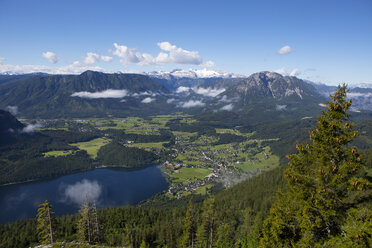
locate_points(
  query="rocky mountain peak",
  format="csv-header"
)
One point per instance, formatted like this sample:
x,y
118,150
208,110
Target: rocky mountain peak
x,y
272,84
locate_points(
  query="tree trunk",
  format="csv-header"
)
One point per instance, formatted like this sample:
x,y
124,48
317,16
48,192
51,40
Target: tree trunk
x,y
50,226
211,239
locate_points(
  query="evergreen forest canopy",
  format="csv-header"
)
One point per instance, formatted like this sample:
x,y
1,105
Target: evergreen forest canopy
x,y
324,201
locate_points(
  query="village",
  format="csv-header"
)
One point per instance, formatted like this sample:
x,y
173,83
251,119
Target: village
x,y
195,162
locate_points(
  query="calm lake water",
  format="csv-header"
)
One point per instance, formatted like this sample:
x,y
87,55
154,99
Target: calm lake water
x,y
108,187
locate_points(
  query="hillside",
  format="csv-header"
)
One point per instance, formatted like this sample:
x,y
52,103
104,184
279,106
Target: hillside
x,y
88,94
9,127
261,97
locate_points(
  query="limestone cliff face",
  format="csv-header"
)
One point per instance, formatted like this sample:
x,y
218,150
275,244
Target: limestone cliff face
x,y
272,85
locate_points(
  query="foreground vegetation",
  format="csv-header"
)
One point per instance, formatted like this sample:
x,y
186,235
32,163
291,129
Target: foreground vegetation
x,y
325,180
327,201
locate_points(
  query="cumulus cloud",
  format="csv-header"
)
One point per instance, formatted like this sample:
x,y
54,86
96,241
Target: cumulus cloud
x,y
182,89
285,50
281,107
106,58
131,55
192,103
211,92
170,54
91,58
294,72
12,109
177,55
228,107
148,100
77,193
51,57
110,93
31,128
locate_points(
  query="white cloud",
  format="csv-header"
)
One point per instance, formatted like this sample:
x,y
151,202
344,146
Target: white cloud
x,y
78,192
12,109
355,110
51,57
211,92
224,99
358,94
73,68
192,103
170,54
170,100
106,58
177,55
110,93
282,71
91,58
144,93
209,63
1,60
208,91
182,89
228,107
294,72
131,55
281,107
285,50
148,100
31,128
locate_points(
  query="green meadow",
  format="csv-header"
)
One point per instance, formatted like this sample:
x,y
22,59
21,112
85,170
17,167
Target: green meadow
x,y
190,174
58,153
92,147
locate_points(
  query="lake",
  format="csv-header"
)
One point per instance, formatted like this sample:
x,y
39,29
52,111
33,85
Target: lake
x,y
107,187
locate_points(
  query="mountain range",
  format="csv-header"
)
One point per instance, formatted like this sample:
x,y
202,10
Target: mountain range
x,y
97,94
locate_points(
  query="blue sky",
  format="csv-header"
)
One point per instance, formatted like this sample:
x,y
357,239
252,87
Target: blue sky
x,y
328,41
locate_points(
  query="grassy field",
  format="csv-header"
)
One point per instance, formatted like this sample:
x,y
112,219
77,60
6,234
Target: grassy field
x,y
184,134
203,189
156,145
220,147
135,125
53,128
261,161
233,131
92,147
58,153
185,174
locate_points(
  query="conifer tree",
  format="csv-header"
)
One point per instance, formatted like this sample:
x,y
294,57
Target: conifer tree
x,y
84,225
45,223
144,245
188,235
206,231
96,228
325,185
